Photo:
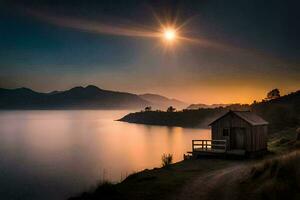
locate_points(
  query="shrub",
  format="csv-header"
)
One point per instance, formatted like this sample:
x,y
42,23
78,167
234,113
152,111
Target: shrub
x,y
166,160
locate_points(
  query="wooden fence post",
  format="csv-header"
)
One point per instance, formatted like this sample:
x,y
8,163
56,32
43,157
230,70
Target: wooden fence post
x,y
193,145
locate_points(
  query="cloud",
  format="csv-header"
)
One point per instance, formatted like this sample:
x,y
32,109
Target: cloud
x,y
93,26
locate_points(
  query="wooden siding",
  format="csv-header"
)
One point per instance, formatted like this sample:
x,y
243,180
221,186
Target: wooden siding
x,y
259,137
255,136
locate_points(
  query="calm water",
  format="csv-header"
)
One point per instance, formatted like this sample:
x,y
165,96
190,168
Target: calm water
x,y
55,154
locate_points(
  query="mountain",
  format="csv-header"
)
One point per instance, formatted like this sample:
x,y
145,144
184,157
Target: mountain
x,y
90,97
198,106
161,102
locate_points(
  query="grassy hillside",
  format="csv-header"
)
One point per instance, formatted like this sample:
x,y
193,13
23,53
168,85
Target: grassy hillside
x,y
272,179
280,113
157,183
277,176
283,140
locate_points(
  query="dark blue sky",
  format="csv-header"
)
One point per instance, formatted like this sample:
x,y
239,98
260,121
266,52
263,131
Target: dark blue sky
x,y
259,50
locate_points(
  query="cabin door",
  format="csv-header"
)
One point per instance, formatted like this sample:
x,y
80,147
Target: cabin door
x,y
237,137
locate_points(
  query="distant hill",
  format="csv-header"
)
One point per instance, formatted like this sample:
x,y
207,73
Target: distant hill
x,y
185,118
198,106
90,97
281,113
161,102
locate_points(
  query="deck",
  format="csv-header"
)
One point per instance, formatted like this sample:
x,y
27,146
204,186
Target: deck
x,y
213,148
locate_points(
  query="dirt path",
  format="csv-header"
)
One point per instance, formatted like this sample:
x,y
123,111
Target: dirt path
x,y
218,184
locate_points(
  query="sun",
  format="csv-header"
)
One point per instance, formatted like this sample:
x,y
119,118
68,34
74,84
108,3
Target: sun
x,y
169,34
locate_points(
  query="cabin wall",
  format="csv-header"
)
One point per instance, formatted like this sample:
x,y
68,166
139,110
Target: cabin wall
x,y
230,121
255,136
259,137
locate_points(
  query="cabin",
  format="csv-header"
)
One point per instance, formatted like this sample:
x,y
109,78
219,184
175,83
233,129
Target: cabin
x,y
235,132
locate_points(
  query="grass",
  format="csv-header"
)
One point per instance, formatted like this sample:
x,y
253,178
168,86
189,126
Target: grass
x,y
283,141
274,178
277,178
105,189
157,183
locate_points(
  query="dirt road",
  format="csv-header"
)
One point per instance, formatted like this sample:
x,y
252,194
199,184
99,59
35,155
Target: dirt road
x,y
218,184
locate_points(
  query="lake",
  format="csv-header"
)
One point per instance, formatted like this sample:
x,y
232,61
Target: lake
x,y
53,155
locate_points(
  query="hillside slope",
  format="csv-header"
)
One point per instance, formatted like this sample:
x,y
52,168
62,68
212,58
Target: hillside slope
x,y
272,179
280,113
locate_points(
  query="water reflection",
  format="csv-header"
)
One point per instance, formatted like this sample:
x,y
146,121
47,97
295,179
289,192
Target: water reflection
x,y
60,153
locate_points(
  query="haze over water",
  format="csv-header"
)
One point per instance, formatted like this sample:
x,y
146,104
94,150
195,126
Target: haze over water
x,y
56,154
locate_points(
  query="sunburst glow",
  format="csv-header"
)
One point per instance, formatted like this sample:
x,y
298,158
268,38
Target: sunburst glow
x,y
169,34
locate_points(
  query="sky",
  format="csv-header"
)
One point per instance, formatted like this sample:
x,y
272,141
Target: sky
x,y
225,51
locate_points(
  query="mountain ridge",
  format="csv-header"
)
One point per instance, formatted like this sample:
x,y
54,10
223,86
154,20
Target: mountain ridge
x,y
75,98
79,97
162,102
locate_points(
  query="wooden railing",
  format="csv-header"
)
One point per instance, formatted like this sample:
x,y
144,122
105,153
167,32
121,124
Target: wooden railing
x,y
209,145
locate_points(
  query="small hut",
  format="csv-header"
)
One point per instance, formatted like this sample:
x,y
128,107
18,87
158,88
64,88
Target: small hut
x,y
244,132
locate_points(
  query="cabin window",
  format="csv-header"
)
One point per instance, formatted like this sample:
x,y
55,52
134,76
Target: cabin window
x,y
225,132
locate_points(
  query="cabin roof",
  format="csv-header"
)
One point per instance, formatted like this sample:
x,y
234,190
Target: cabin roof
x,y
248,116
